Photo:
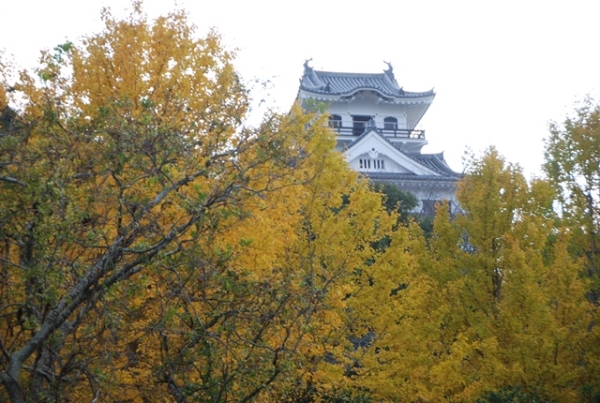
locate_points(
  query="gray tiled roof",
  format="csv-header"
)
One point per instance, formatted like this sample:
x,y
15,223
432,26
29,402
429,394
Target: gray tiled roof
x,y
437,163
408,177
333,83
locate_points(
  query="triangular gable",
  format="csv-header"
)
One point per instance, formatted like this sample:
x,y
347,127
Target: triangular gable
x,y
372,141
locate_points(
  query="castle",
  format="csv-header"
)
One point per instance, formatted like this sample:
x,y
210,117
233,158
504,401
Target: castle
x,y
375,121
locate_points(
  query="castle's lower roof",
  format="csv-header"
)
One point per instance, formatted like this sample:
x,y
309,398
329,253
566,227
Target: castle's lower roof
x,y
408,177
437,163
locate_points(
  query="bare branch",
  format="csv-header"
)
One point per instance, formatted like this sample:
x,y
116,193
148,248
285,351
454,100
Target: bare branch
x,y
12,180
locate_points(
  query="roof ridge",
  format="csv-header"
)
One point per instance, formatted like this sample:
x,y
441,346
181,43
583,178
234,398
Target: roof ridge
x,y
348,83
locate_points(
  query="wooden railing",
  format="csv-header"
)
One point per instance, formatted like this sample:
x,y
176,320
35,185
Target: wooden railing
x,y
358,128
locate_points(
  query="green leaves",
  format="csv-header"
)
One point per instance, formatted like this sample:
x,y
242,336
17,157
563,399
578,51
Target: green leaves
x,y
60,50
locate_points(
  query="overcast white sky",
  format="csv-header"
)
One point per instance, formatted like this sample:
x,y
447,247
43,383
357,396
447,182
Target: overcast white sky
x,y
501,70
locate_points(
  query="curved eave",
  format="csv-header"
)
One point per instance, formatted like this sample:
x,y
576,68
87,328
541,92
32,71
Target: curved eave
x,y
393,97
437,163
406,99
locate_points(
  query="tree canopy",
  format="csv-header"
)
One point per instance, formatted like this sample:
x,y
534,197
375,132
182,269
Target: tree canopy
x,y
149,237
154,246
572,161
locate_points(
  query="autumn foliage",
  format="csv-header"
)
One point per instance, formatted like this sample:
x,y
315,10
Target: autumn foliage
x,y
156,247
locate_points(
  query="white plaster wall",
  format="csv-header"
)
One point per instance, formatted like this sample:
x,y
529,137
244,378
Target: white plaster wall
x,y
362,107
390,165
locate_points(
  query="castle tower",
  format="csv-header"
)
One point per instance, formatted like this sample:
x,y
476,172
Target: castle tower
x,y
375,120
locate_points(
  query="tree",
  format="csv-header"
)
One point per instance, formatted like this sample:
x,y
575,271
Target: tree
x,y
151,244
396,200
481,309
572,161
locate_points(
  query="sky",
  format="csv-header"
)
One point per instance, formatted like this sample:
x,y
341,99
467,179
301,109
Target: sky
x,y
501,70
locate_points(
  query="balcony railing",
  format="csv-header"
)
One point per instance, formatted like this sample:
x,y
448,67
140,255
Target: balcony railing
x,y
358,128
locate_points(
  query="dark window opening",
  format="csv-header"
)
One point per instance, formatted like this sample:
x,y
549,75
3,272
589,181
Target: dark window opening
x,y
368,163
359,123
390,123
335,121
